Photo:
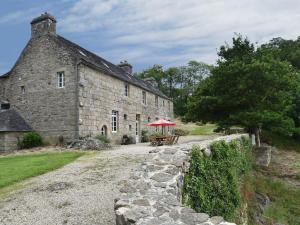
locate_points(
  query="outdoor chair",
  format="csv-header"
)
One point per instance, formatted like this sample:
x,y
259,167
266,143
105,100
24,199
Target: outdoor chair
x,y
170,140
176,139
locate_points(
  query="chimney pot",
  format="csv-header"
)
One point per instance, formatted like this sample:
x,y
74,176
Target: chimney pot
x,y
126,66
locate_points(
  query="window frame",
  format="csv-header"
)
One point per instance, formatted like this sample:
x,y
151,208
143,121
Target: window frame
x,y
61,79
126,90
144,97
114,121
156,101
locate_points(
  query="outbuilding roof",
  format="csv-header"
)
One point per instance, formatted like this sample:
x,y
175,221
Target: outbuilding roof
x,y
11,121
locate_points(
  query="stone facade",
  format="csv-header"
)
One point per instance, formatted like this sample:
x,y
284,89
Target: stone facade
x,y
86,101
153,193
100,94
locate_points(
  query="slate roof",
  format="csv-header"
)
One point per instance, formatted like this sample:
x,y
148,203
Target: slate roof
x,y
105,66
11,121
5,75
101,64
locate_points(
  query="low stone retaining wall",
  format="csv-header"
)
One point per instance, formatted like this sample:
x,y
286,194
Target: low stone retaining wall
x,y
152,195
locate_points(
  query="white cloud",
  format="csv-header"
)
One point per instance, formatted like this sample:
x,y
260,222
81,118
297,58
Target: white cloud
x,y
174,31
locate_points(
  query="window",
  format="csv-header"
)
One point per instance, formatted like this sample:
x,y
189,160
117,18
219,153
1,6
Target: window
x,y
130,127
149,118
23,89
104,131
126,90
163,103
125,116
144,98
156,101
114,121
5,106
61,79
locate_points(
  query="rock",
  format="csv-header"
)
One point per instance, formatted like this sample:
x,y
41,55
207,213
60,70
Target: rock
x,y
170,151
263,155
216,219
89,143
121,203
141,202
127,188
162,177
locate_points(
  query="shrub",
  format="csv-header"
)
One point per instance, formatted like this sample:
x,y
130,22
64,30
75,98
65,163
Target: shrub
x,y
212,183
180,132
103,139
30,140
127,140
145,136
155,134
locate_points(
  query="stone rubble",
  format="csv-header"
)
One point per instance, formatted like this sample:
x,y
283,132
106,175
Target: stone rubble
x,y
152,195
89,143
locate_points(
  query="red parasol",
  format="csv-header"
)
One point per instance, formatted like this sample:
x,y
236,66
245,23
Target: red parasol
x,y
161,122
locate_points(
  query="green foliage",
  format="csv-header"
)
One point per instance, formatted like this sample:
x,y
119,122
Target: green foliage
x,y
30,140
249,88
103,139
280,141
212,183
285,199
178,82
17,168
180,132
155,134
145,136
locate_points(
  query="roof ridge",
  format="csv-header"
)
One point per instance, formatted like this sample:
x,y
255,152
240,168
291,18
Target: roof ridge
x,y
109,67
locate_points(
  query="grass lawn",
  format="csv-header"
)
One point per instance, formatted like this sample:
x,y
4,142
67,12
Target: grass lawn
x,y
195,129
206,129
17,168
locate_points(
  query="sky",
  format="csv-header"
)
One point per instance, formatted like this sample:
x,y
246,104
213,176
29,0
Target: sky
x,y
148,32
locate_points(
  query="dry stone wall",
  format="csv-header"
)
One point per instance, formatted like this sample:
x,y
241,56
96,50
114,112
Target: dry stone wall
x,y
152,195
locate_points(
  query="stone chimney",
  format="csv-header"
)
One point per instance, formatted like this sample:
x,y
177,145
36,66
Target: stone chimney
x,y
151,81
42,25
126,66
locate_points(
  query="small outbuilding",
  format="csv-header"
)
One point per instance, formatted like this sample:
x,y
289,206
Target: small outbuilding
x,y
12,128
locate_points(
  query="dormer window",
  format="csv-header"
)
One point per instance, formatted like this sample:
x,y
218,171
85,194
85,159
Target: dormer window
x,y
61,79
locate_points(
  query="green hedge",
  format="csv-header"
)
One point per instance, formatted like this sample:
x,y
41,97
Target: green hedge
x,y
30,140
212,183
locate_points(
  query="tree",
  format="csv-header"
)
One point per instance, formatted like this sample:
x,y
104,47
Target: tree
x,y
178,82
249,88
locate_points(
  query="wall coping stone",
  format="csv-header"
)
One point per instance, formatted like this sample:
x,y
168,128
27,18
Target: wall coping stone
x,y
152,194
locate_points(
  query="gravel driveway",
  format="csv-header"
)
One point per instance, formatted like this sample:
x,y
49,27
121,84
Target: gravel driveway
x,y
81,193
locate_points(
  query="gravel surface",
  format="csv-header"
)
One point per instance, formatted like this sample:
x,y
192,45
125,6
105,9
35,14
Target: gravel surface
x,y
80,193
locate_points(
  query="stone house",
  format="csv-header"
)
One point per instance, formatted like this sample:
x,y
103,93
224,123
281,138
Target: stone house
x,y
65,91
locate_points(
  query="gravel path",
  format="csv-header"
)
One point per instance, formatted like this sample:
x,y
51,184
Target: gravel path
x,y
81,193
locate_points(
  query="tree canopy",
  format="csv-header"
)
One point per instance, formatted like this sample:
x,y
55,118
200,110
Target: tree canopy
x,y
178,82
250,87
